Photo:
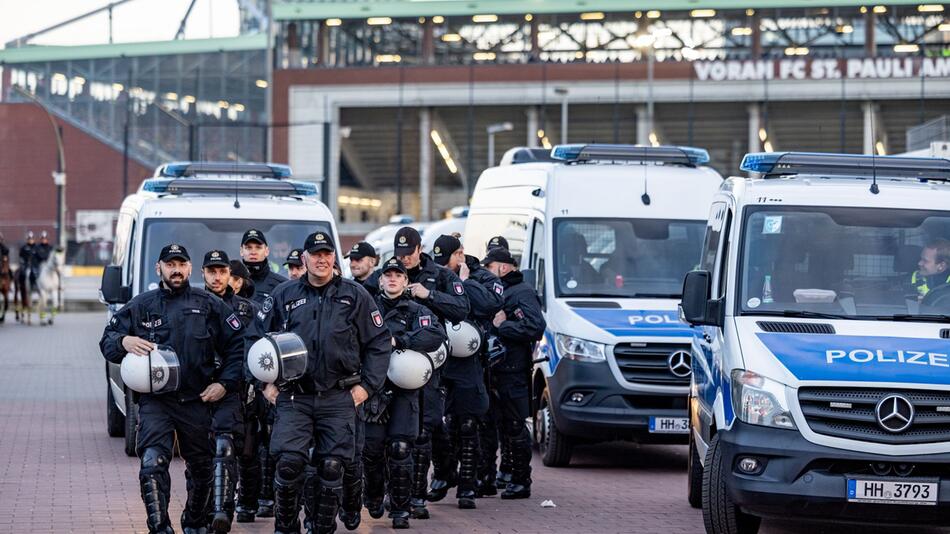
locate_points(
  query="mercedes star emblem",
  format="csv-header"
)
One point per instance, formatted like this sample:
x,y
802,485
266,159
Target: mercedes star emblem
x,y
680,364
895,413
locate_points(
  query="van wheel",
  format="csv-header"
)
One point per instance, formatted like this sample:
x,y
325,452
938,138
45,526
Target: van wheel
x,y
555,447
115,421
694,479
720,514
131,423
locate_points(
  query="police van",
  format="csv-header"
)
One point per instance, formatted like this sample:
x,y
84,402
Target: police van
x,y
821,378
202,206
606,234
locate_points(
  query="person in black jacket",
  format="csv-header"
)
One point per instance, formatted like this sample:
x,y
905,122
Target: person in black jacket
x,y
363,260
348,357
441,291
254,252
234,418
240,281
197,326
294,264
392,415
519,326
463,378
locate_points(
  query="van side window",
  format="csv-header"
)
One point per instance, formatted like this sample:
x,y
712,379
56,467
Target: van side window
x,y
713,236
723,263
123,236
536,260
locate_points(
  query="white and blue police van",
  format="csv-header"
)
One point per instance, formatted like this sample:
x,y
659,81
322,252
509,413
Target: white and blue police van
x,y
821,379
202,206
605,233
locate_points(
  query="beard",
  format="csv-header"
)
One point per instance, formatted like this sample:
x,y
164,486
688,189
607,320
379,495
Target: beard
x,y
175,281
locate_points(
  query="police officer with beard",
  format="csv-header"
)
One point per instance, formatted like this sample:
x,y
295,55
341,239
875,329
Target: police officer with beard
x,y
234,418
440,290
254,252
363,260
463,378
519,325
197,326
294,264
392,415
349,352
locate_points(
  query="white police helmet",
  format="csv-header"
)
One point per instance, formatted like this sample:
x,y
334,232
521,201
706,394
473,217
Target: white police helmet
x,y
464,339
278,358
409,369
440,354
155,373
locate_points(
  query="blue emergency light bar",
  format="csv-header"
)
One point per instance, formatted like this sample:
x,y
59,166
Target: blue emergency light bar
x,y
177,186
675,155
779,164
182,169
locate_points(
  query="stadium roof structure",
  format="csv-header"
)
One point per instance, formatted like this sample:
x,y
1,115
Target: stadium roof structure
x,y
40,53
352,9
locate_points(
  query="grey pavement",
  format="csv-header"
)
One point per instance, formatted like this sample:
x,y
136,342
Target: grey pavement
x,y
60,472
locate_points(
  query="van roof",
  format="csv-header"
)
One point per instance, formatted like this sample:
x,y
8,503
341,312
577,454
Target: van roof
x,y
151,205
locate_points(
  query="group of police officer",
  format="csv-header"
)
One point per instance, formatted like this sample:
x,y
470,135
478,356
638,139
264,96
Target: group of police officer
x,y
344,432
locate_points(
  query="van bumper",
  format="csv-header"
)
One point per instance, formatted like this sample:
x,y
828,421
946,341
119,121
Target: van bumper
x,y
808,481
607,410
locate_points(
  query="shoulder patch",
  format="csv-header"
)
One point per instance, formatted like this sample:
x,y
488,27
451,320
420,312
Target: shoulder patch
x,y
518,313
268,304
377,318
114,321
498,288
234,322
425,320
457,286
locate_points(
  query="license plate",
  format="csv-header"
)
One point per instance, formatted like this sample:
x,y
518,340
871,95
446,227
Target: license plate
x,y
892,491
669,425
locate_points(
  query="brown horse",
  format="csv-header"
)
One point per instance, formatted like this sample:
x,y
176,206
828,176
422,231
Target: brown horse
x,y
6,276
23,294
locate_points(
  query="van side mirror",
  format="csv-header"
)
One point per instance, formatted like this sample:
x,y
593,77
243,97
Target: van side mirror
x,y
698,307
111,289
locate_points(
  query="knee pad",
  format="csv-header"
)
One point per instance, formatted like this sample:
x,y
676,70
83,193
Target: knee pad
x,y
424,437
154,459
399,449
331,468
223,446
468,427
289,466
513,428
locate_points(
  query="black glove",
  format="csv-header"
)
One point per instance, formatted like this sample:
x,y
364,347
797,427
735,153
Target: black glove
x,y
376,407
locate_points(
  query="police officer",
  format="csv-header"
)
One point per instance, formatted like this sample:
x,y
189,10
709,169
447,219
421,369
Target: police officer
x,y
463,378
234,418
294,264
240,280
519,325
29,260
441,291
363,260
392,415
933,269
4,249
490,480
254,252
349,352
43,248
197,326
496,242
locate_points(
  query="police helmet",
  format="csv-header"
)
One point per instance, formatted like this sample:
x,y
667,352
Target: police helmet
x,y
278,358
409,369
464,339
155,373
440,354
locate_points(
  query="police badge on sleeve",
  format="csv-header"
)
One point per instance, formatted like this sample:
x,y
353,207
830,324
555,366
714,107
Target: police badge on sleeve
x,y
498,288
234,322
377,318
457,286
424,321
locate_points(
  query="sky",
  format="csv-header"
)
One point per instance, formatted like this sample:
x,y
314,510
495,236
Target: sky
x,y
137,20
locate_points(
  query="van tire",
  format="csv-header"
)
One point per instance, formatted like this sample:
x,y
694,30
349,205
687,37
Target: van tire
x,y
720,514
115,421
131,424
694,477
555,447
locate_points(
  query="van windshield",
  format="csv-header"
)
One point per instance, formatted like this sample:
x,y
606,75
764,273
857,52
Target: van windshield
x,y
201,235
846,262
625,258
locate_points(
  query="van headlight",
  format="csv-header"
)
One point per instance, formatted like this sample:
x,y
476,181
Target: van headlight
x,y
581,350
760,401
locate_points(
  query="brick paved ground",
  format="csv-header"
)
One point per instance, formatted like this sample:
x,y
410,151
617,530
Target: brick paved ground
x,y
60,472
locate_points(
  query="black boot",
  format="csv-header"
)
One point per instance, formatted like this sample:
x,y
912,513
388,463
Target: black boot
x,y
444,445
310,482
330,493
352,504
374,480
155,484
503,477
286,507
400,462
249,487
265,503
421,456
468,463
198,480
224,469
520,485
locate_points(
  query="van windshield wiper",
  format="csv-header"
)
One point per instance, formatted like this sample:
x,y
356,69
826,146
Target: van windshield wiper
x,y
924,318
805,314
